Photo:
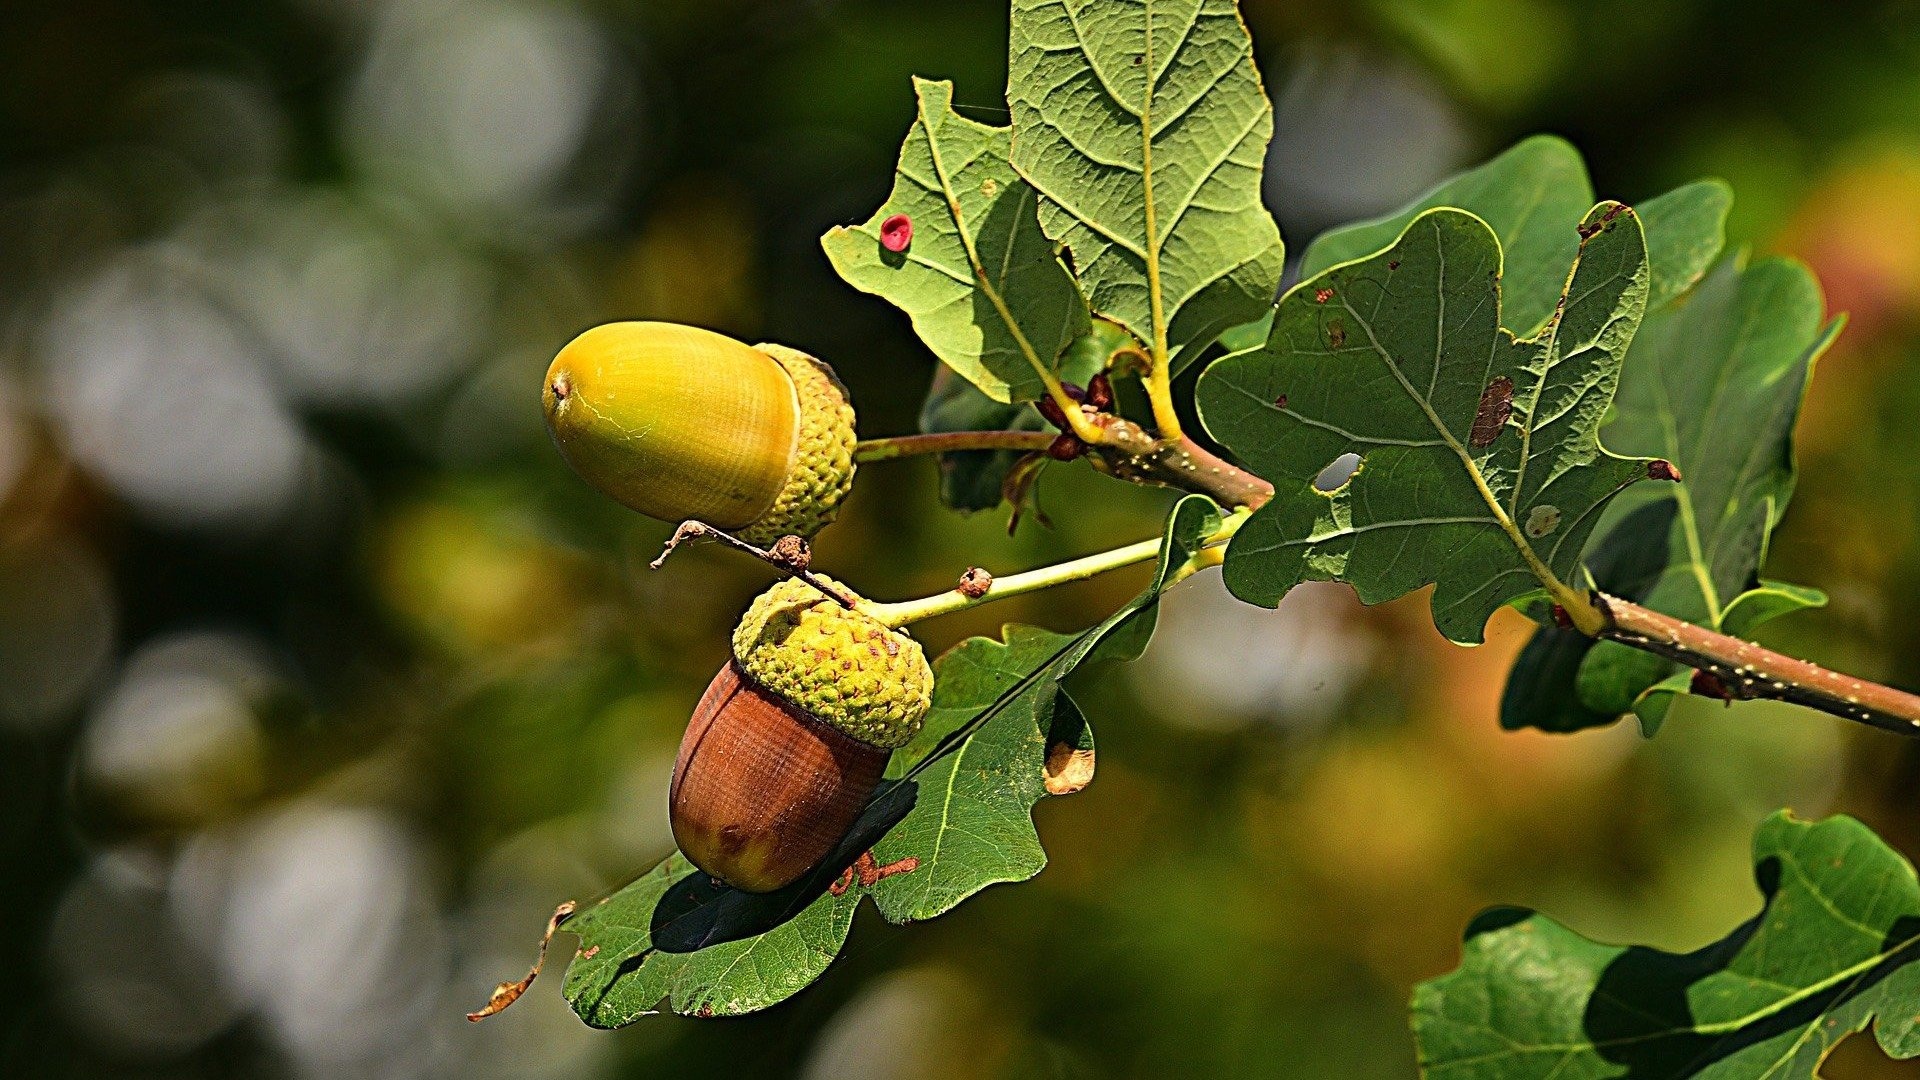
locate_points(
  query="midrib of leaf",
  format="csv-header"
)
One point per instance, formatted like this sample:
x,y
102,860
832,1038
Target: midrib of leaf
x,y
1552,347
1561,593
721,979
1683,496
1146,178
1689,522
1044,370
946,808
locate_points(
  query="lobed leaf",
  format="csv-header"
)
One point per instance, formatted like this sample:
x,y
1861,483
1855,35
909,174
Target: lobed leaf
x,y
1831,951
1144,126
953,817
1534,196
1713,385
985,288
1481,470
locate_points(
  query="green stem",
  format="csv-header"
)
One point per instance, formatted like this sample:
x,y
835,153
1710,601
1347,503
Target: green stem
x,y
900,446
1046,577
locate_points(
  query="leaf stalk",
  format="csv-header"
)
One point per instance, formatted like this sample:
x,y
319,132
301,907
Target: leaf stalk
x,y
902,446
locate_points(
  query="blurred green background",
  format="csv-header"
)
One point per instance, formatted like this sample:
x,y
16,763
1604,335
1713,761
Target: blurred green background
x,y
322,681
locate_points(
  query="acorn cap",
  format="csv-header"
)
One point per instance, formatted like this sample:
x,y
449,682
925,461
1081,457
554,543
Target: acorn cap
x,y
681,424
842,667
822,471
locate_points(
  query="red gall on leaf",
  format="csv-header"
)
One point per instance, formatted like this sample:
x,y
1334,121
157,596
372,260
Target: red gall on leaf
x,y
896,233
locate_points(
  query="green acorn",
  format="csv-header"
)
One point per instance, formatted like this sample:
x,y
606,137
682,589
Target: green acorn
x,y
683,424
792,736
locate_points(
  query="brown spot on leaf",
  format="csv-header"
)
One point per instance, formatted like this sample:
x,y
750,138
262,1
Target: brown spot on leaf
x,y
1496,405
509,992
1068,769
1542,521
869,872
880,873
1662,469
845,882
1336,334
1280,402
1394,265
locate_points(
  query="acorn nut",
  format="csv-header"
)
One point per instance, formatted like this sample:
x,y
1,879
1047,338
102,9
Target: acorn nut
x,y
792,736
683,424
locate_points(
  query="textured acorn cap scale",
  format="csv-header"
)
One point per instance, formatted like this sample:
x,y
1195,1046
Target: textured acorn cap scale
x,y
869,680
681,424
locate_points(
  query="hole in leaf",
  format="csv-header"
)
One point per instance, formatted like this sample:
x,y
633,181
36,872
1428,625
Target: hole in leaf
x,y
1337,473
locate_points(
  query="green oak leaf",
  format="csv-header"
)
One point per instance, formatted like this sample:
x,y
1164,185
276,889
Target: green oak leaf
x,y
1001,735
1533,196
972,479
1480,459
1686,229
675,938
1831,951
985,288
1713,385
1144,126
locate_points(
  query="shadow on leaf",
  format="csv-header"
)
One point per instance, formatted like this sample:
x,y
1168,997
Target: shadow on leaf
x,y
1640,1014
698,912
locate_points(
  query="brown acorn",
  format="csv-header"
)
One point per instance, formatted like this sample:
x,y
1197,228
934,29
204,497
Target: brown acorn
x,y
792,736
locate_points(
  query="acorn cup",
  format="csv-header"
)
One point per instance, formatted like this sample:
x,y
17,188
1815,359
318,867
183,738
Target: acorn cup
x,y
683,424
792,736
